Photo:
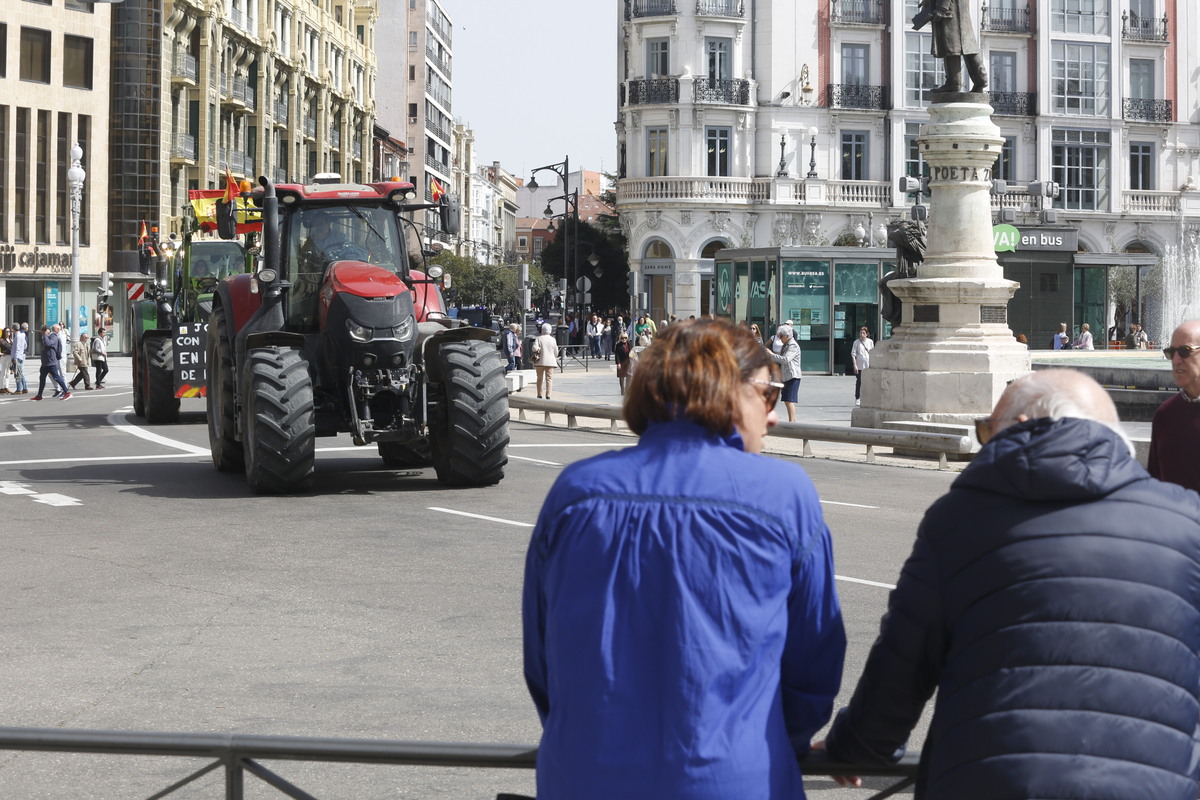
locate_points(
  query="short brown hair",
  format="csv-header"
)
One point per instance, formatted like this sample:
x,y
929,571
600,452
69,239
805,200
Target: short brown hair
x,y
693,372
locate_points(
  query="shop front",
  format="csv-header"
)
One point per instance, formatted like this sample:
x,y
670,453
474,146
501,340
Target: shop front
x,y
827,292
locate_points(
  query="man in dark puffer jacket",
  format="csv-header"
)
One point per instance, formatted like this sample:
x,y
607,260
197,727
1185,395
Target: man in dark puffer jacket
x,y
1052,601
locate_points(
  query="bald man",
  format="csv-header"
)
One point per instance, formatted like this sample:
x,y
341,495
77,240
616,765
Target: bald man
x,y
1175,431
1051,600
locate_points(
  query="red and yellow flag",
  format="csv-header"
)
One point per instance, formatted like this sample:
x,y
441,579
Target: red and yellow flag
x,y
204,205
231,187
436,190
143,234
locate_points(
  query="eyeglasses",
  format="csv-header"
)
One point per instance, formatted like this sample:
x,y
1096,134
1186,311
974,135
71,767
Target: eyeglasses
x,y
1185,351
771,396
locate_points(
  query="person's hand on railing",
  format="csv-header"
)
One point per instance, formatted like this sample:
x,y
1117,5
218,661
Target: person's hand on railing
x,y
841,780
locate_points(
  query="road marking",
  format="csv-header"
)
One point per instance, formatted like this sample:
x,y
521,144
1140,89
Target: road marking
x,y
95,459
118,422
535,461
12,487
850,505
53,499
865,583
586,444
17,430
481,516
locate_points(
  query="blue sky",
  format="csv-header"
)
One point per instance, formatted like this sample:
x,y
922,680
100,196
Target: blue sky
x,y
537,80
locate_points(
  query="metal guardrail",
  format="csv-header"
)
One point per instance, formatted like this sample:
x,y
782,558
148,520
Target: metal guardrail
x,y
940,444
240,753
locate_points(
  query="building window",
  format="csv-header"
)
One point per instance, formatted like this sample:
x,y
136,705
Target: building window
x,y
1141,166
21,178
656,152
1006,164
1079,79
717,141
1004,71
854,155
3,173
720,67
3,50
77,62
63,157
658,58
1080,163
922,72
855,65
86,6
412,40
1079,16
914,164
42,186
35,55
1141,79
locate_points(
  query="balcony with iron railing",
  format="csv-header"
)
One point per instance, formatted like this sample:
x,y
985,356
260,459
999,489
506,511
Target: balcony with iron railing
x,y
1136,109
282,111
1004,19
356,148
859,96
720,8
650,8
279,175
441,30
432,56
856,12
185,67
653,90
310,127
1014,104
433,163
183,147
725,91
244,93
335,139
1137,28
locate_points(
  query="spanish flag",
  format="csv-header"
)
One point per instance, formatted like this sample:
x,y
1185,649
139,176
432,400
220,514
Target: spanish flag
x,y
436,190
231,188
143,234
204,206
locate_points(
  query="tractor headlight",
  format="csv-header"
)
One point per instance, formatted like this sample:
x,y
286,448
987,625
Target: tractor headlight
x,y
359,333
267,275
404,330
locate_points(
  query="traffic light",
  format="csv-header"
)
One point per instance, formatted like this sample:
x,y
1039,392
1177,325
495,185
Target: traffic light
x,y
631,283
105,290
1044,189
911,185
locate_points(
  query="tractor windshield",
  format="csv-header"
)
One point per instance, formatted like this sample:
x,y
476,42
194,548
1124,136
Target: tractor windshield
x,y
321,235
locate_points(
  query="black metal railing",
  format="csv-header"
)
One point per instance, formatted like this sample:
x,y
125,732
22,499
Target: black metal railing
x,y
734,91
856,12
720,8
650,8
854,95
1137,28
1014,104
1143,110
653,90
1004,19
239,754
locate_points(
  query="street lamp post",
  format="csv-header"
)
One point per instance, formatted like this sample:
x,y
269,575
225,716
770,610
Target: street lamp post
x,y
563,169
812,162
782,172
75,177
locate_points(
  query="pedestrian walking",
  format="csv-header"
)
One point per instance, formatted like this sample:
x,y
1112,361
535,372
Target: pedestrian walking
x,y
6,359
1084,341
860,357
52,358
623,354
511,345
594,328
545,359
682,632
1051,602
81,355
789,357
20,350
606,339
100,357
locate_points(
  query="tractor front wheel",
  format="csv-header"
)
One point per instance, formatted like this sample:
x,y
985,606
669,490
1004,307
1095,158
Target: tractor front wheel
x,y
139,374
279,430
227,454
158,358
469,431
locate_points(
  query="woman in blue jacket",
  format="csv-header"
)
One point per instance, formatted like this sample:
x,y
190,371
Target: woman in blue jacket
x,y
683,637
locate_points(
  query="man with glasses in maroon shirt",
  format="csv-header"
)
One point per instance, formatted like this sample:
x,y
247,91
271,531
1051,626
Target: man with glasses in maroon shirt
x,y
1175,432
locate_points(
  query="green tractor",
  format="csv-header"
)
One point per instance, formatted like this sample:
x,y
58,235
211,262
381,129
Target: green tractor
x,y
169,323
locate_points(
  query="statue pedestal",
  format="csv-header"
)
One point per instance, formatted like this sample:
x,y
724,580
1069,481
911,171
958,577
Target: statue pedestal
x,y
953,353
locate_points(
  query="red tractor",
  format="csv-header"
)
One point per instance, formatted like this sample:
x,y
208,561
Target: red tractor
x,y
338,332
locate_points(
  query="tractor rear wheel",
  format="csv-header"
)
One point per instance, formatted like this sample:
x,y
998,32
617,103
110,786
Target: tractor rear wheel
x,y
227,454
139,374
406,454
469,435
162,406
279,431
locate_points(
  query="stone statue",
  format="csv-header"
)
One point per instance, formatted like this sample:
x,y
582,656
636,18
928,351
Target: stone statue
x,y
953,40
908,237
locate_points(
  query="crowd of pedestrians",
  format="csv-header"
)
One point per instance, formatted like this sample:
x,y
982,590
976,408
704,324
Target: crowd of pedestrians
x,y
57,355
683,635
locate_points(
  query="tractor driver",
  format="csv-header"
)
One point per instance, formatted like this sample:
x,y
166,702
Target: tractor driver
x,y
324,240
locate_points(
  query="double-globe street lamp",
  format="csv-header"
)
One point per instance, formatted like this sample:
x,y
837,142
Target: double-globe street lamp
x,y
75,178
571,199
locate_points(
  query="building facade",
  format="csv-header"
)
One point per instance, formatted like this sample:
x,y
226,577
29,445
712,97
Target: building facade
x,y
54,93
773,123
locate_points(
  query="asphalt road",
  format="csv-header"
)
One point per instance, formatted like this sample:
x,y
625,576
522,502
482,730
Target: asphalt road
x,y
142,590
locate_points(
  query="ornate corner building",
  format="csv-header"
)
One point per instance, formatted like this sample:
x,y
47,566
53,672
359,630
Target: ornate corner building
x,y
786,123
